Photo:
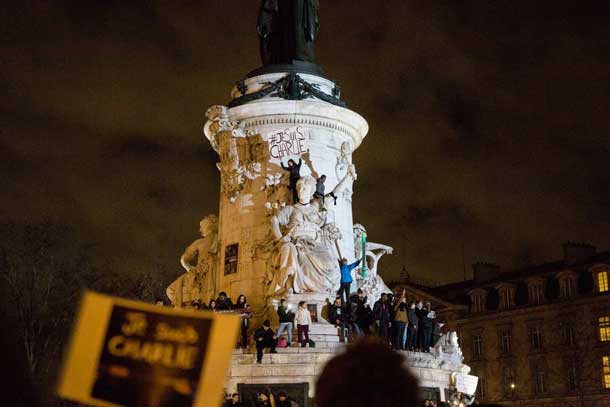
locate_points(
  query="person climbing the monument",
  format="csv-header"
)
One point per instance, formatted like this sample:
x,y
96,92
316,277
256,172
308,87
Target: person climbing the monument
x,y
295,174
302,320
346,277
286,317
320,191
320,187
264,337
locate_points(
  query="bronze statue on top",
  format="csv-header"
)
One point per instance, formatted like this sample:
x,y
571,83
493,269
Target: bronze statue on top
x,y
287,30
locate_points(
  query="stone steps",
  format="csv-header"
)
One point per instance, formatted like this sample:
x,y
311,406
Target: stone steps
x,y
284,358
319,329
275,370
321,347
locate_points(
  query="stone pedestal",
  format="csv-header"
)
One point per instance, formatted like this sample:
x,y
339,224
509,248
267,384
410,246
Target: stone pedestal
x,y
300,365
252,139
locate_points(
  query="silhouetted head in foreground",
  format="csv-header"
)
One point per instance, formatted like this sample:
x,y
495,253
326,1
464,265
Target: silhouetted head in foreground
x,y
367,374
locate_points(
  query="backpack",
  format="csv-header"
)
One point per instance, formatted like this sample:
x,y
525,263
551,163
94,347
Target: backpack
x,y
282,342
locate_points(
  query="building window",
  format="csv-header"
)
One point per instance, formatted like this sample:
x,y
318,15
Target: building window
x,y
539,376
478,303
481,389
508,380
477,346
606,371
535,334
505,300
568,334
536,293
602,281
572,375
505,342
604,328
567,287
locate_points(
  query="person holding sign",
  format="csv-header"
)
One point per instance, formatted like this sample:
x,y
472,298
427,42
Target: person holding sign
x,y
264,338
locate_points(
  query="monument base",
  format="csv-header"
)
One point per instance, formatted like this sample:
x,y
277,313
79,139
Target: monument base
x,y
294,67
438,377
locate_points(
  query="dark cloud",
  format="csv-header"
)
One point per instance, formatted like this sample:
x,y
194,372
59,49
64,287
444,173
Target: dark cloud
x,y
489,131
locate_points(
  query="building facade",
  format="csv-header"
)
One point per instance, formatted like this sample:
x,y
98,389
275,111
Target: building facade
x,y
538,336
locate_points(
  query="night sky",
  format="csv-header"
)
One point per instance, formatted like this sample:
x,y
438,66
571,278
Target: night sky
x,y
489,123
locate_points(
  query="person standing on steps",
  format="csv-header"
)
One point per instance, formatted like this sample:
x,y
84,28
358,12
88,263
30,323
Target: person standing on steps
x,y
302,320
295,174
382,317
286,317
264,337
245,312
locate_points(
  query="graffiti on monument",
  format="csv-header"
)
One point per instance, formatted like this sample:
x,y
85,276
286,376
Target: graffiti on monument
x,y
288,142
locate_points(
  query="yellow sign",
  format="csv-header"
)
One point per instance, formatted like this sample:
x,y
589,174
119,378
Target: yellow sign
x,y
129,353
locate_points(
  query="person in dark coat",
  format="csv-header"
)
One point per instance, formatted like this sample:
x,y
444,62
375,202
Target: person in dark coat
x,y
320,188
381,312
421,312
412,327
436,332
295,174
264,337
223,303
283,400
338,316
353,321
428,325
245,312
365,313
286,317
346,277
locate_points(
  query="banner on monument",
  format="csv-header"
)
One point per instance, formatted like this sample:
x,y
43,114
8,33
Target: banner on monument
x,y
129,353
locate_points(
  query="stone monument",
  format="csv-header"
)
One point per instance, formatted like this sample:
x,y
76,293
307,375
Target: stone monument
x,y
267,246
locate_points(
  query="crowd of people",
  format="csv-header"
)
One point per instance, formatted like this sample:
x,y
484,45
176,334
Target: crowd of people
x,y
400,323
265,398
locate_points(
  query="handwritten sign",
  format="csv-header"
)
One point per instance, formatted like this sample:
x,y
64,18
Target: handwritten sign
x,y
290,141
128,353
466,383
